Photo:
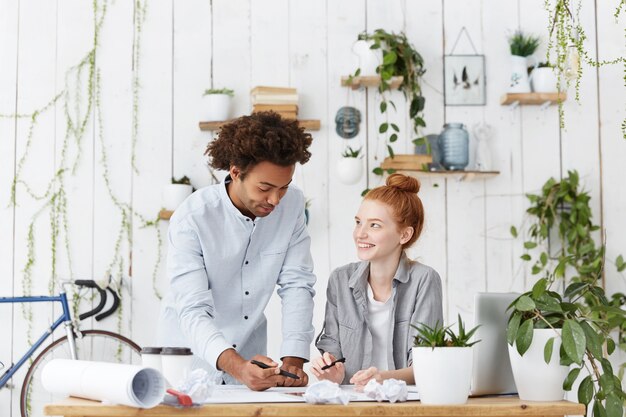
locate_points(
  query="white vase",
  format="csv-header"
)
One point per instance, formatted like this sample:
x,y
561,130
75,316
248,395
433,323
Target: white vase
x,y
349,170
174,194
535,379
217,107
518,83
442,375
369,59
543,80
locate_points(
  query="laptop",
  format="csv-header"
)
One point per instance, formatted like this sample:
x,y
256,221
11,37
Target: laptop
x,y
491,372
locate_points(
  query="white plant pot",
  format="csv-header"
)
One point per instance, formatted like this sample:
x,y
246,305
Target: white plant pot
x,y
535,379
442,375
518,83
369,59
218,107
349,170
543,80
174,194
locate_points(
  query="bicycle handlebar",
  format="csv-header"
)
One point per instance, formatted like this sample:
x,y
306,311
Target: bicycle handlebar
x,y
88,283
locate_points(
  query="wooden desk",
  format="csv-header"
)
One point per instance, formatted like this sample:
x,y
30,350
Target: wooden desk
x,y
475,407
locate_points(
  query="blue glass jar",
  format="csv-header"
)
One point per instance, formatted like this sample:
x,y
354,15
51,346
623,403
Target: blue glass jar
x,y
454,146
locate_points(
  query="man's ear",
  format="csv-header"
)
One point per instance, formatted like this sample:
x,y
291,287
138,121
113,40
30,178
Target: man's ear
x,y
406,235
234,172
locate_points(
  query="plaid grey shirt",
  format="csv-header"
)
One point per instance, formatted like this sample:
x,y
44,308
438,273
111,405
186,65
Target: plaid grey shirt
x,y
417,299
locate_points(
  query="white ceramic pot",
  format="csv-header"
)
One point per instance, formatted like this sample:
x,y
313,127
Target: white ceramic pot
x,y
543,80
349,170
535,379
369,59
518,82
174,194
218,107
442,375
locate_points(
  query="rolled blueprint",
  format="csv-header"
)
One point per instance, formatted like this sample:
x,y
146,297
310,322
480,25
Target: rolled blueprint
x,y
116,383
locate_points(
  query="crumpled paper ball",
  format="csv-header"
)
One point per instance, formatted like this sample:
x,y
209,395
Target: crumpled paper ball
x,y
198,385
326,392
392,390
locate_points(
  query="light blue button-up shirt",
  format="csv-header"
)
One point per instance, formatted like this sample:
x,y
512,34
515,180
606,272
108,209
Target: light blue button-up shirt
x,y
223,268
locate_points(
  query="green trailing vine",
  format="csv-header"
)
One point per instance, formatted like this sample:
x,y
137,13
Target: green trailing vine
x,y
566,47
78,113
400,58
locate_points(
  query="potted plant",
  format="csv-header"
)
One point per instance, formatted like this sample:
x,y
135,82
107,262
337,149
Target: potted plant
x,y
218,103
176,192
350,166
442,363
522,46
543,78
573,328
399,58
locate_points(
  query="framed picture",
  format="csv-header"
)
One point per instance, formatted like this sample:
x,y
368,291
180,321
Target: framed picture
x,y
464,80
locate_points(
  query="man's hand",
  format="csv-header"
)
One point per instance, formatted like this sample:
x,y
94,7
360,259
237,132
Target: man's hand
x,y
294,365
335,373
254,377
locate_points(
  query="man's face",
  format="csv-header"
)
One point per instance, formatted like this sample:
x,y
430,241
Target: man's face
x,y
261,190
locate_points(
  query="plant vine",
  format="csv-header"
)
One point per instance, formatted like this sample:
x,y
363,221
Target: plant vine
x,y
78,114
566,43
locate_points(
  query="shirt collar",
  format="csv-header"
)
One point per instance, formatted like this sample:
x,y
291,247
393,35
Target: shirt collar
x,y
229,203
358,279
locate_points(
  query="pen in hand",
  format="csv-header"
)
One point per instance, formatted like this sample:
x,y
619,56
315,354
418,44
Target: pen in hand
x,y
282,372
330,365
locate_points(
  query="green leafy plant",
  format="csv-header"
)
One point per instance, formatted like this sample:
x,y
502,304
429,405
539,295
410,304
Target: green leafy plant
x,y
522,44
181,180
400,58
351,153
440,336
226,91
584,314
566,47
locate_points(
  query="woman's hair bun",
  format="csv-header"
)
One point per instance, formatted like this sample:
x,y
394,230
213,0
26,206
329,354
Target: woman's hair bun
x,y
403,183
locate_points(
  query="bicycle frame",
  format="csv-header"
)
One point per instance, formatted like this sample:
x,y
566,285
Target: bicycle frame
x,y
65,319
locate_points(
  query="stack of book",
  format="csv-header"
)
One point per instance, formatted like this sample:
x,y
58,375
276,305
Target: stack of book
x,y
282,100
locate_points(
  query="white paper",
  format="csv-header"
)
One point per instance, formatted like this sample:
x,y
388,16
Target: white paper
x,y
131,385
231,394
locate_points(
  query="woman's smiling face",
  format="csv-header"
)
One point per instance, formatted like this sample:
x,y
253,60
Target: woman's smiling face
x,y
376,234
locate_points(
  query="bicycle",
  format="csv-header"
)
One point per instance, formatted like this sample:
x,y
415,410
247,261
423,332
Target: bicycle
x,y
95,345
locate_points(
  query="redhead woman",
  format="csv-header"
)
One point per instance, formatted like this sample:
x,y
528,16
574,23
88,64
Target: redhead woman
x,y
372,303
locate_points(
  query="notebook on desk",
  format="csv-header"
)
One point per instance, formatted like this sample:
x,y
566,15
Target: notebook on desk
x,y
491,372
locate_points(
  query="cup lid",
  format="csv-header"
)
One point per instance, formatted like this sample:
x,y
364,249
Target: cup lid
x,y
176,351
148,350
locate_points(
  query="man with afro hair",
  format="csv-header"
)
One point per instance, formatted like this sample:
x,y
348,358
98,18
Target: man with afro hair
x,y
231,244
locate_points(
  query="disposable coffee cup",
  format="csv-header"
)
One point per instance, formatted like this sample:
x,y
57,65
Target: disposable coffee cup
x,y
151,357
176,364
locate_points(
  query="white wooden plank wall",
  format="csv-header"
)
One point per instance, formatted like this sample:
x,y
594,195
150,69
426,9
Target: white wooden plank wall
x,y
189,46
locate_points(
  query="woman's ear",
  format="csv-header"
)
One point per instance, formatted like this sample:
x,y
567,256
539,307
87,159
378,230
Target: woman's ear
x,y
406,235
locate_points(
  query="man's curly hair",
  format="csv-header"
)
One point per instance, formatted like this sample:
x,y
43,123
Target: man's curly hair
x,y
263,136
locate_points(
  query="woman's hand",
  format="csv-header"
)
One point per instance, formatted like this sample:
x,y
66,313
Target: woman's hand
x,y
335,373
362,377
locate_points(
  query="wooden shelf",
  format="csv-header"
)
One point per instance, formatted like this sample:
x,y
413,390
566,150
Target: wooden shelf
x,y
369,81
165,214
307,124
532,98
456,175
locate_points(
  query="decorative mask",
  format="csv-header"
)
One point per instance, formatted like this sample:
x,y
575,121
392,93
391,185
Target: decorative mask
x,y
347,120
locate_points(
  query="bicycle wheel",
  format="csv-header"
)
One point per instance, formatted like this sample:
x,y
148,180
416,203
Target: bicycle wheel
x,y
95,345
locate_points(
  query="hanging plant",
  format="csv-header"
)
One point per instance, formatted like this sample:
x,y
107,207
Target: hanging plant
x,y
399,58
566,47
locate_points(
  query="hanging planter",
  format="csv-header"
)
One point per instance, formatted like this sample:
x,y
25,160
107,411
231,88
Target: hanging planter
x,y
176,192
350,166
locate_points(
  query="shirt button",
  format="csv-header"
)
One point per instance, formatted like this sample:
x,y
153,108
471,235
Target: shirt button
x,y
246,262
245,317
235,346
247,292
247,220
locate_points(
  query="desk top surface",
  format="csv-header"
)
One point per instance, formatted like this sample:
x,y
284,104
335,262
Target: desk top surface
x,y
475,407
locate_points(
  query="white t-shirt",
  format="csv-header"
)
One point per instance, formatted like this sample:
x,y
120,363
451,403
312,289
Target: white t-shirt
x,y
379,316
